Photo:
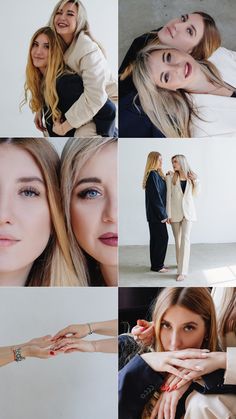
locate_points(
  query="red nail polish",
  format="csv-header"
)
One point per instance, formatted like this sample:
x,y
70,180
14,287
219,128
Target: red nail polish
x,y
52,353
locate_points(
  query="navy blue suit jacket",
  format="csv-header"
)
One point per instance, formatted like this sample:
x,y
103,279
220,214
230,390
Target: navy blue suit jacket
x,y
155,198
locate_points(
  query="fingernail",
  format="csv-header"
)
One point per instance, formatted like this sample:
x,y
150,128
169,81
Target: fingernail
x,y
174,387
167,388
52,353
198,368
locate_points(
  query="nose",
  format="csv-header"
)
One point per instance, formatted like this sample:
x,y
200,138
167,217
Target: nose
x,y
110,210
175,341
6,214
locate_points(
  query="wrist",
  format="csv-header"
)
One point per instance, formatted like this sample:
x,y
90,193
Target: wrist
x,y
222,360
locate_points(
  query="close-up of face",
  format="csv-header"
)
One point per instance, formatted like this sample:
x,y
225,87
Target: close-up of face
x,y
94,206
40,52
159,162
65,21
173,69
184,32
176,165
181,328
25,222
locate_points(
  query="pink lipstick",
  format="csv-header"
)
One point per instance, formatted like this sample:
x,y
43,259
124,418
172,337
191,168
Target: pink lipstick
x,y
110,239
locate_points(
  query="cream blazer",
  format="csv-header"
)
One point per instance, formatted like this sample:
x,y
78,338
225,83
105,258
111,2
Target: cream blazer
x,y
179,204
86,58
225,61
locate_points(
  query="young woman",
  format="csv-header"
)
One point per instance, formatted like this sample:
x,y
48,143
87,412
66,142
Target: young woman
x,y
181,96
155,199
182,186
34,248
70,339
85,57
185,330
89,193
36,348
52,88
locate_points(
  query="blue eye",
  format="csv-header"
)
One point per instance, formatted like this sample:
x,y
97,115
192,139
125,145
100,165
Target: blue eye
x,y
29,192
89,194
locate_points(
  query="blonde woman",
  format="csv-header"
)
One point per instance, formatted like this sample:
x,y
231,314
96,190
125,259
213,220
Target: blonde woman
x,y
185,330
89,194
85,57
182,186
34,248
155,201
181,96
51,87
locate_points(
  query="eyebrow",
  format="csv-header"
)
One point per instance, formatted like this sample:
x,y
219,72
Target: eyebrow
x,y
45,43
30,179
194,29
184,324
88,180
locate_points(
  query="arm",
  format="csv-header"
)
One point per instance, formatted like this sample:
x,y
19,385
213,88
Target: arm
x,y
156,196
68,345
197,187
168,195
106,328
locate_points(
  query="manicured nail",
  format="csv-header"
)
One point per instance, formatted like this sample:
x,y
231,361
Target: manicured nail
x,y
174,387
52,353
198,368
163,387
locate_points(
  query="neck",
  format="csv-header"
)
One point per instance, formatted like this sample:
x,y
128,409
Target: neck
x,y
14,278
68,39
202,85
110,275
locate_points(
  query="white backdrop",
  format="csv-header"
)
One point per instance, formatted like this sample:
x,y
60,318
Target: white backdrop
x,y
19,20
72,386
214,162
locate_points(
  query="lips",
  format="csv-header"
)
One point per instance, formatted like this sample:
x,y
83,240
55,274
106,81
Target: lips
x,y
169,30
62,25
187,70
8,240
109,239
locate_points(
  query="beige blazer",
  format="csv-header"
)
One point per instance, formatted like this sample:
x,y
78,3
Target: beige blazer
x,y
225,61
181,205
86,58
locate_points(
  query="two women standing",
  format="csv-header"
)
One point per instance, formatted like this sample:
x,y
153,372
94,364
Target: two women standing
x,y
170,199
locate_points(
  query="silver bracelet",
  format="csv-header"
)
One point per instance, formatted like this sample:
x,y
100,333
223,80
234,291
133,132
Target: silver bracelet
x,y
18,355
90,329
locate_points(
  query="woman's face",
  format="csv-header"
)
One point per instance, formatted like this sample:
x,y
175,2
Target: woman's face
x,y
184,33
181,329
159,162
25,223
94,206
65,20
40,52
176,165
173,69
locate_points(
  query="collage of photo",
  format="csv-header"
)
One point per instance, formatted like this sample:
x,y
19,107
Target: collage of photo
x,y
117,209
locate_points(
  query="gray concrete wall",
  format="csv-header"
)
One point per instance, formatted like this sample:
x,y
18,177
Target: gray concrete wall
x,y
140,16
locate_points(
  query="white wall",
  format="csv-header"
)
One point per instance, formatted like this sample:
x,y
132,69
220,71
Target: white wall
x,y
71,386
214,162
19,20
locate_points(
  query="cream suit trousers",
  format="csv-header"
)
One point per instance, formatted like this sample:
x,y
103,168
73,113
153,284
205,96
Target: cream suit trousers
x,y
210,406
181,231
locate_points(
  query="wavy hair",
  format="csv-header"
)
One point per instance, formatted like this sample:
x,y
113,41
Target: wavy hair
x,y
40,89
184,166
54,266
152,163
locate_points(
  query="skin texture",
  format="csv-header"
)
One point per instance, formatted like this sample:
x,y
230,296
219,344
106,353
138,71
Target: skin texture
x,y
185,32
24,214
94,209
65,22
40,52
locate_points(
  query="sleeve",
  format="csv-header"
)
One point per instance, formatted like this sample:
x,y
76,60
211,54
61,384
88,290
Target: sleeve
x,y
93,73
157,200
197,187
69,89
168,195
137,383
214,384
230,372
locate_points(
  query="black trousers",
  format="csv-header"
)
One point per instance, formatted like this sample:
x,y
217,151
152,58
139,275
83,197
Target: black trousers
x,y
158,244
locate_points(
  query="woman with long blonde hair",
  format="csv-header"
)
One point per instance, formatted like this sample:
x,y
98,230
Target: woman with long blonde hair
x,y
155,201
89,196
52,88
34,248
182,186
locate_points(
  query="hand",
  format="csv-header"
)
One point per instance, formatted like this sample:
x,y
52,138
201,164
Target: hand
x,y
68,345
36,351
144,332
166,405
169,221
61,128
192,176
168,361
74,330
42,342
38,122
169,173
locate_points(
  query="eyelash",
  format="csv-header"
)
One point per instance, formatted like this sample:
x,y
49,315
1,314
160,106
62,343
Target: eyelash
x,y
85,194
186,328
36,45
29,192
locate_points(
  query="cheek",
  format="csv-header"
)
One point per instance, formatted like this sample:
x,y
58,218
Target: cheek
x,y
83,221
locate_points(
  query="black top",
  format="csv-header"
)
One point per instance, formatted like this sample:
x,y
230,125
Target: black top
x,y
234,94
155,197
69,89
183,184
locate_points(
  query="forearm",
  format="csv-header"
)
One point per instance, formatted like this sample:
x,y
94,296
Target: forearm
x,y
7,354
106,328
106,345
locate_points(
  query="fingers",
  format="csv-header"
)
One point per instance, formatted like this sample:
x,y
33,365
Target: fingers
x,y
191,354
62,333
155,410
63,342
173,406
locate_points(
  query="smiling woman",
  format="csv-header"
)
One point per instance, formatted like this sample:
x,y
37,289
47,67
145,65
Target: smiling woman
x,y
33,243
89,193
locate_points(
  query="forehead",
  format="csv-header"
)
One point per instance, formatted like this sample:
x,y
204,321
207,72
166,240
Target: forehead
x,y
179,315
68,6
23,160
42,37
102,162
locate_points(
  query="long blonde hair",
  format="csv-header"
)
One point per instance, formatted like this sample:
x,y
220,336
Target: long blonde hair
x,y
227,312
74,155
152,163
170,111
40,89
54,266
82,22
184,166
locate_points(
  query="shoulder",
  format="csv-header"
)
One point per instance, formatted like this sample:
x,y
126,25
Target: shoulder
x,y
84,44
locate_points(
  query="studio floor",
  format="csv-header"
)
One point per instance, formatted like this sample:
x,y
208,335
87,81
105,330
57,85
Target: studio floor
x,y
210,265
